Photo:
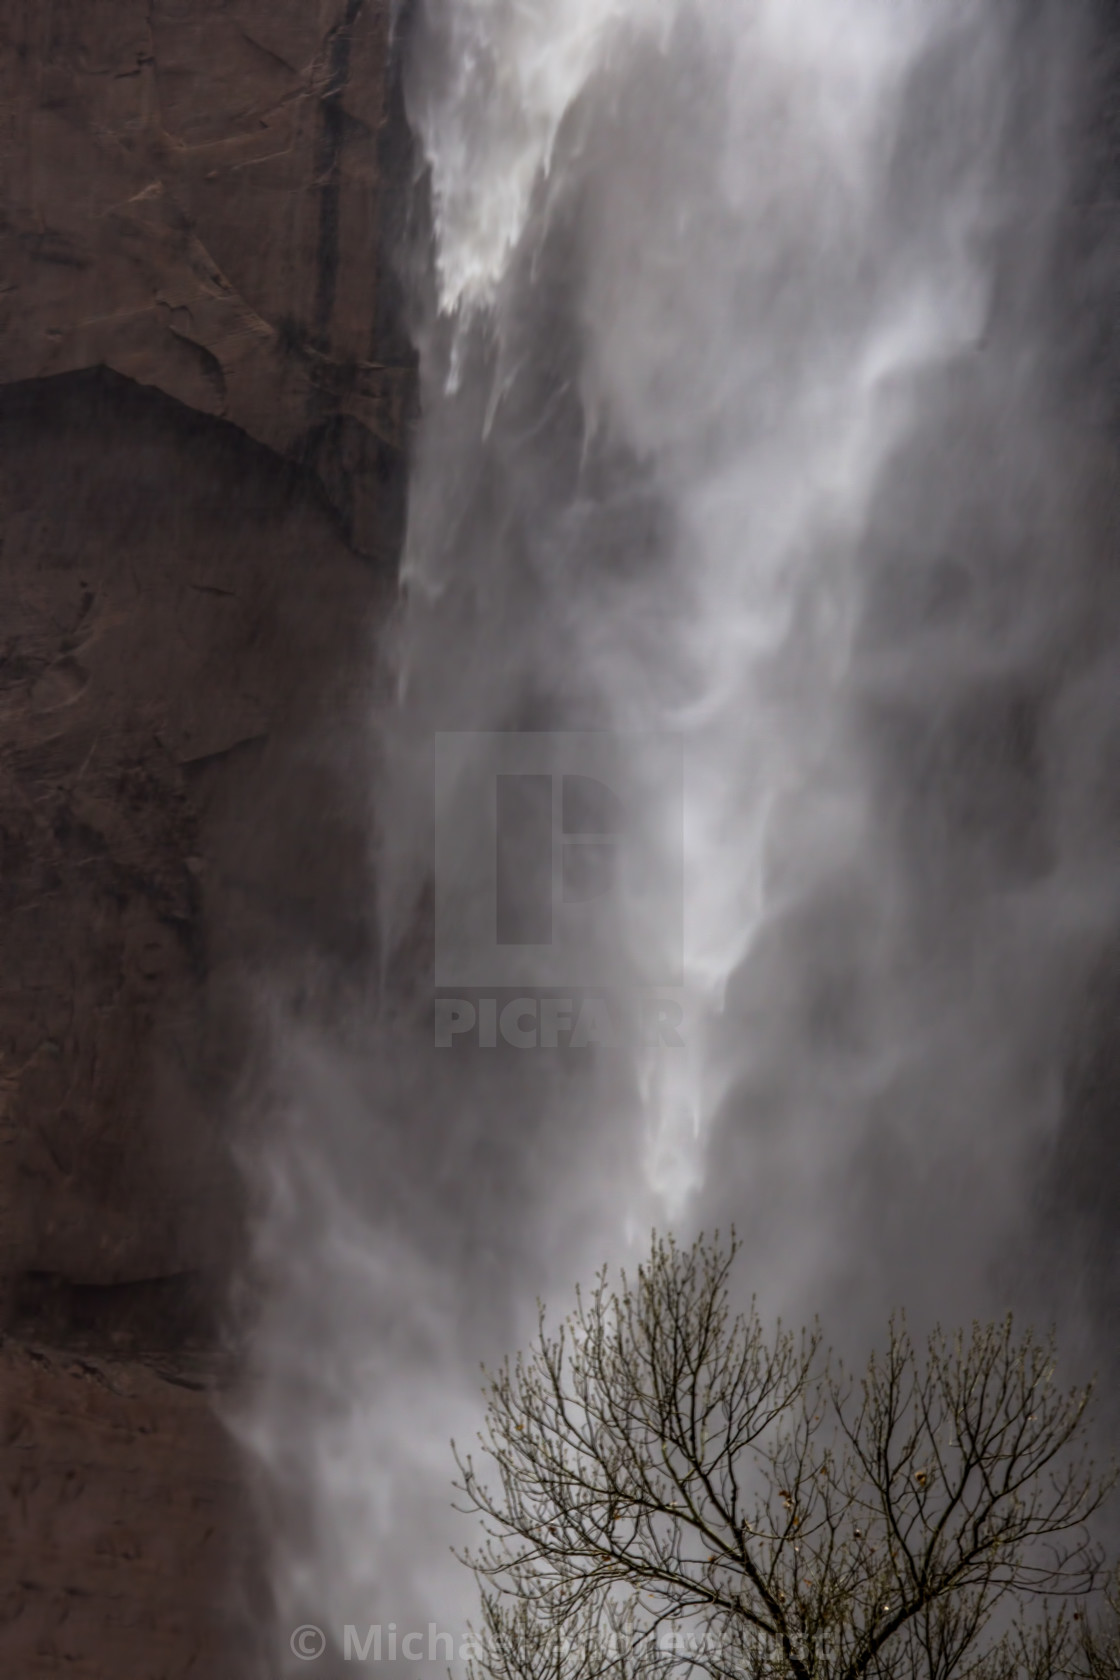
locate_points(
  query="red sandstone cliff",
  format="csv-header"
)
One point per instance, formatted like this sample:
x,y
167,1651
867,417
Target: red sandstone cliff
x,y
202,405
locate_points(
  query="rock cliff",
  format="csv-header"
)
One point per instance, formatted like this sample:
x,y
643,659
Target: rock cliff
x,y
203,401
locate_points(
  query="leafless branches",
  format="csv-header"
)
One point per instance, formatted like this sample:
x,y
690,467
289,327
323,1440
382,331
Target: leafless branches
x,y
676,1489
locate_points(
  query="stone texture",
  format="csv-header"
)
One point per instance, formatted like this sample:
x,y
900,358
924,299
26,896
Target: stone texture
x,y
177,612
184,657
122,1497
190,194
203,400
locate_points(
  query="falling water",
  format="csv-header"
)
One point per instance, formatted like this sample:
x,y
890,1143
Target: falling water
x,y
742,429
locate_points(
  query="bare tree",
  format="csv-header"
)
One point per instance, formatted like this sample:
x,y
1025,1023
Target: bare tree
x,y
673,1488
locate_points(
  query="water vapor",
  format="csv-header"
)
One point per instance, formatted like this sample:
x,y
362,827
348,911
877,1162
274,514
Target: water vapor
x,y
745,425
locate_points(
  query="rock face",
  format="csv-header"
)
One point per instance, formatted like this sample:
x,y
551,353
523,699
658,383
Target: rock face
x,y
179,615
203,399
115,1553
192,196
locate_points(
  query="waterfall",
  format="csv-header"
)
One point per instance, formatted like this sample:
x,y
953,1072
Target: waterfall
x,y
743,448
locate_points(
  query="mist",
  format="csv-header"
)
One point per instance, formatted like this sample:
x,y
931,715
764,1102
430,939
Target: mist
x,y
755,419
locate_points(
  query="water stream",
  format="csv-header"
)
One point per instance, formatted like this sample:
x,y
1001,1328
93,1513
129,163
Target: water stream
x,y
744,441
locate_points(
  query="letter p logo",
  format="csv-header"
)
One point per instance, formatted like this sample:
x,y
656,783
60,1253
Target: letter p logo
x,y
541,863
559,861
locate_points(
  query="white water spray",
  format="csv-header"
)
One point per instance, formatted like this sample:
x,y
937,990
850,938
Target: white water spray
x,y
749,329
734,433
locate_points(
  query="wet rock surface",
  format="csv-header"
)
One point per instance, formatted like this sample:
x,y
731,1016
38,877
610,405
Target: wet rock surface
x,y
186,641
203,402
192,195
122,1552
